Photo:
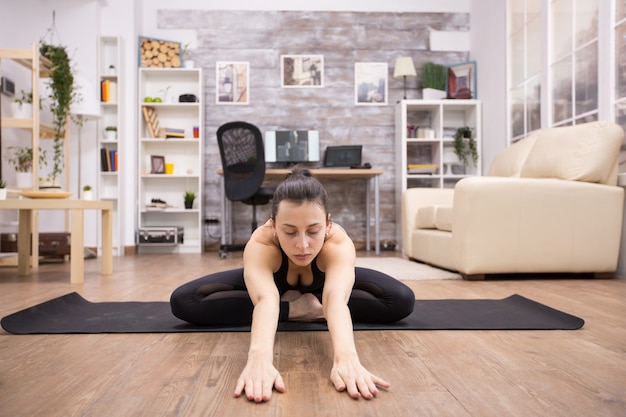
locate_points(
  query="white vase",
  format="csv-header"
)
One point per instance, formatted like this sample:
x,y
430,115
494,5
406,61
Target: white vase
x,y
21,111
24,179
110,135
433,94
87,194
189,63
3,193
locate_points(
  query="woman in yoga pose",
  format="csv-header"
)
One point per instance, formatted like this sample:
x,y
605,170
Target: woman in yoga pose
x,y
298,266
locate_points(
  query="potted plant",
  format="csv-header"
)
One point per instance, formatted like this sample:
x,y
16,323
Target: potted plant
x,y
22,160
465,146
3,190
186,61
22,107
62,94
110,132
433,81
87,192
190,196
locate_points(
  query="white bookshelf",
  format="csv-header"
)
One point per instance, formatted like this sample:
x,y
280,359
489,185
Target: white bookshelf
x,y
186,155
110,184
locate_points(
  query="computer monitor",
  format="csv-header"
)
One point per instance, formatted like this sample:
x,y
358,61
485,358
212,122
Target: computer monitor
x,y
292,146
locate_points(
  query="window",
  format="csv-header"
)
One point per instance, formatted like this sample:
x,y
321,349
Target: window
x,y
525,46
574,61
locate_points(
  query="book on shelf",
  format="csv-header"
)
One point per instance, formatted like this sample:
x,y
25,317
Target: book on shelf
x,y
108,91
108,160
422,168
174,133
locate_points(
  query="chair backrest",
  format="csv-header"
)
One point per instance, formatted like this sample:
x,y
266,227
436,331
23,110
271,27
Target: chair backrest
x,y
243,159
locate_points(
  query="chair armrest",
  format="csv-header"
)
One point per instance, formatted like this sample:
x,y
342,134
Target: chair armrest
x,y
415,198
504,222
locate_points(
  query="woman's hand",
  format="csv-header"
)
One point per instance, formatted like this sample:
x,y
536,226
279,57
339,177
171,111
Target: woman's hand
x,y
348,374
258,379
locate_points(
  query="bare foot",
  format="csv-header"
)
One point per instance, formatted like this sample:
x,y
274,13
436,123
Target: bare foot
x,y
306,308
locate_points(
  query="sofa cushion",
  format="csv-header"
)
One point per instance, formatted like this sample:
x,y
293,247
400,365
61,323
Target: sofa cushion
x,y
434,217
425,218
509,161
586,152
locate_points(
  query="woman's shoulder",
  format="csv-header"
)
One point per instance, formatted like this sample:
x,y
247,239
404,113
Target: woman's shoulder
x,y
263,247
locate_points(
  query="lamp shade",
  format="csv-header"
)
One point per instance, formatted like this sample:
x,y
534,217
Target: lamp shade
x,y
88,105
404,67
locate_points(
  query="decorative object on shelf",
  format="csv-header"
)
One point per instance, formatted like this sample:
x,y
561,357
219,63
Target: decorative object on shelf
x,y
165,97
157,164
404,68
157,53
186,61
152,121
302,71
110,132
449,159
190,196
233,80
465,146
112,70
370,83
22,158
22,107
3,190
433,81
87,192
62,94
462,80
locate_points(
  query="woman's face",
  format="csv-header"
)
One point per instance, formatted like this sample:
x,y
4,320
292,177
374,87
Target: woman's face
x,y
301,229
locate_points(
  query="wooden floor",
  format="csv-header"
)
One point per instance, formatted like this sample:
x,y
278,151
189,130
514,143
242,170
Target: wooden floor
x,y
433,373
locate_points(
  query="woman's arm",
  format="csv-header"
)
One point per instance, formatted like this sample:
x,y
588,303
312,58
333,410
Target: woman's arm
x,y
347,373
260,376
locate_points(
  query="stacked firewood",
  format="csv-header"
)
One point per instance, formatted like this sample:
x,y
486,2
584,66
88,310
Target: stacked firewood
x,y
159,54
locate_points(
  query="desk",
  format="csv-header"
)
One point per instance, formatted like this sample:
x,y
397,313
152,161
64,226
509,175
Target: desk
x,y
330,173
77,210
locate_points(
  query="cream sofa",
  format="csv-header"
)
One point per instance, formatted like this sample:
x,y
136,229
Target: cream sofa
x,y
549,204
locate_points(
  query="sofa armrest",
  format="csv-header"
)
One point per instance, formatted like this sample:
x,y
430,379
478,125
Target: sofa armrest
x,y
504,224
415,198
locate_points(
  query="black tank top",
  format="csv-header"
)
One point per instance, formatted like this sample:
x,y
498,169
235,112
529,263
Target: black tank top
x,y
280,277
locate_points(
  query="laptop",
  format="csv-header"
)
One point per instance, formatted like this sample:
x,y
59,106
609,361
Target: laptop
x,y
342,156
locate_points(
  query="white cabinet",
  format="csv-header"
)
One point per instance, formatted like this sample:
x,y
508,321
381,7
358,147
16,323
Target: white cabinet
x,y
425,132
170,157
110,131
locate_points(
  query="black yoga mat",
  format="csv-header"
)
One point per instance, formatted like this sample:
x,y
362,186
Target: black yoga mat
x,y
71,313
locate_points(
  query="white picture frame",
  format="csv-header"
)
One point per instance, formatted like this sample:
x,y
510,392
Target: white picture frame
x,y
371,83
232,82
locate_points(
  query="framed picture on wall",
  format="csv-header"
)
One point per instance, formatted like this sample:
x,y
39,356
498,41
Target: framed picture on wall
x,y
232,82
370,83
302,71
461,80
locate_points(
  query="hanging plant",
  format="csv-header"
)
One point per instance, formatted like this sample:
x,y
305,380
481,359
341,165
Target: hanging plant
x,y
62,93
465,146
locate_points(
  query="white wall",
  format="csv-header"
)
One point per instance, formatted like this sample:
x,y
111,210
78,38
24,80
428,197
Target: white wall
x,y
488,49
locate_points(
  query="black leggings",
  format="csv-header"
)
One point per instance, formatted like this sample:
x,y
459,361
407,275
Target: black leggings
x,y
221,299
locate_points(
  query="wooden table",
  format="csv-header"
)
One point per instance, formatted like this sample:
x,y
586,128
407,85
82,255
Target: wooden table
x,y
322,173
77,210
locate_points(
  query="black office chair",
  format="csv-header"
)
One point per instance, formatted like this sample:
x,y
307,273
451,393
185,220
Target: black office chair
x,y
243,163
